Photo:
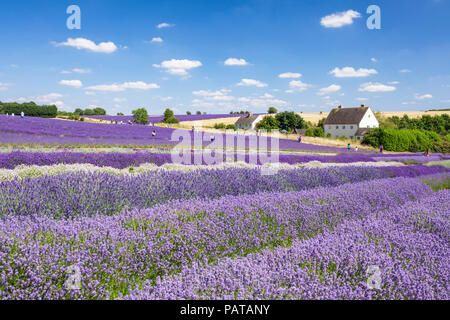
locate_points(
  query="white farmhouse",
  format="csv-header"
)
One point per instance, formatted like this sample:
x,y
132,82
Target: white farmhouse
x,y
350,122
248,122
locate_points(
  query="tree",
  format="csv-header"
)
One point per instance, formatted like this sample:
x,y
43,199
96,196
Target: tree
x,y
140,116
99,111
231,127
78,111
268,123
188,113
168,114
169,117
30,109
119,113
321,122
290,121
88,112
272,110
198,112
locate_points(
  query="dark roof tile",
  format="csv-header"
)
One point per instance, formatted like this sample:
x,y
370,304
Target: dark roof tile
x,y
248,119
346,115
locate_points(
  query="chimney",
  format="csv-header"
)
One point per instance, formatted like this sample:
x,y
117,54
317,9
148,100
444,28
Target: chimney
x,y
340,106
250,114
363,106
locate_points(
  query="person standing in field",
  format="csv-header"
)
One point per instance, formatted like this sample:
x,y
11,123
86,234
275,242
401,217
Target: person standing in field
x,y
381,148
154,133
349,148
299,139
22,115
356,148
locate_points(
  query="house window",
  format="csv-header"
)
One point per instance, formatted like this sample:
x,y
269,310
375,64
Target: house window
x,y
337,127
343,127
351,127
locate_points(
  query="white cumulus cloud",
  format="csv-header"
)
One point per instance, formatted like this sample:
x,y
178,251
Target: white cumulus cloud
x,y
165,25
235,62
208,93
289,75
297,85
251,83
376,87
350,72
423,97
4,86
86,44
157,40
178,67
71,83
329,89
339,19
117,87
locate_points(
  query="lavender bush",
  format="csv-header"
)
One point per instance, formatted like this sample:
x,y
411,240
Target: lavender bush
x,y
57,132
408,244
124,160
73,195
116,254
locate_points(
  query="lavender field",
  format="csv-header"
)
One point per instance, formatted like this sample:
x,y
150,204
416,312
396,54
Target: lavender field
x,y
82,222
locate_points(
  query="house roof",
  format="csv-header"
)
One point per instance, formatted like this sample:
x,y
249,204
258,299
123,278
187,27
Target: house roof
x,y
247,119
361,132
346,115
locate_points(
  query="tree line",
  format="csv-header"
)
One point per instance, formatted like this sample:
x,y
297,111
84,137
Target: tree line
x,y
30,109
413,135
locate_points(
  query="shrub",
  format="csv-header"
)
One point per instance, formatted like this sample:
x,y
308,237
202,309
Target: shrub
x,y
441,146
171,120
309,132
231,127
169,117
401,140
318,132
74,116
140,116
219,126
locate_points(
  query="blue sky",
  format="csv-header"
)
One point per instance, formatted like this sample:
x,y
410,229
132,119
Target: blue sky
x,y
218,56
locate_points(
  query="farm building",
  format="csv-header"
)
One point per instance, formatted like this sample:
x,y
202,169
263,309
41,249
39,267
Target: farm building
x,y
248,122
352,123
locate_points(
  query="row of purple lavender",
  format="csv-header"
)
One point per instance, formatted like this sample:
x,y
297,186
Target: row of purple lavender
x,y
312,244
